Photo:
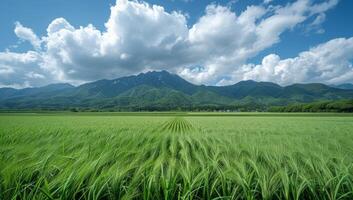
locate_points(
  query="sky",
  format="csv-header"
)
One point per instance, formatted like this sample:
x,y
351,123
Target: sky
x,y
206,42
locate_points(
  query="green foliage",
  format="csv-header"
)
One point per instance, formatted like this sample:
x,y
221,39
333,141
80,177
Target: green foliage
x,y
325,106
176,156
73,110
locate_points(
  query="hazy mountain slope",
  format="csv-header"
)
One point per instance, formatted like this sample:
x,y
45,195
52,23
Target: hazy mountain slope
x,y
248,88
314,91
49,90
345,86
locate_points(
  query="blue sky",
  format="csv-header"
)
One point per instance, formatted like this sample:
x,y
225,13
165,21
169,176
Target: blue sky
x,y
202,52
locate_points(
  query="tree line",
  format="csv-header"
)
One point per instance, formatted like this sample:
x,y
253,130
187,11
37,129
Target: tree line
x,y
323,106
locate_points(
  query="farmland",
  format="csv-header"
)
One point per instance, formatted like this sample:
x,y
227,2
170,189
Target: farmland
x,y
176,156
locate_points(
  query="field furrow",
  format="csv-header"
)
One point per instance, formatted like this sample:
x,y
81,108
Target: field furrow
x,y
177,125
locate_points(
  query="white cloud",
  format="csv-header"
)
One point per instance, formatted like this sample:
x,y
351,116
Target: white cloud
x,y
35,75
137,36
22,69
140,37
227,41
267,1
323,7
6,70
26,34
326,63
57,25
315,25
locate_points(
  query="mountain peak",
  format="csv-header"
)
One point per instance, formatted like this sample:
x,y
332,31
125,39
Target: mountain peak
x,y
162,73
58,86
247,81
157,79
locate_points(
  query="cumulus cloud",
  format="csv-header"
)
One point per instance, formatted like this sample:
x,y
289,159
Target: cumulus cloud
x,y
228,40
27,34
137,37
22,69
140,37
326,63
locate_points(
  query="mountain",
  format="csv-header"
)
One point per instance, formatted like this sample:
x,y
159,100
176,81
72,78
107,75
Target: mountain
x,y
9,93
248,88
165,91
345,86
112,88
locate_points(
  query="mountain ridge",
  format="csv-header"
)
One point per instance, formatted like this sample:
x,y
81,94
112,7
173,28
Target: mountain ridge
x,y
161,90
345,86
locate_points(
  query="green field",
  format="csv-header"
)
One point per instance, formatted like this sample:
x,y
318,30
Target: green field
x,y
176,156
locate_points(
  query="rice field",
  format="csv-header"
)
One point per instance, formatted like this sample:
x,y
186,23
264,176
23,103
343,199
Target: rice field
x,y
176,156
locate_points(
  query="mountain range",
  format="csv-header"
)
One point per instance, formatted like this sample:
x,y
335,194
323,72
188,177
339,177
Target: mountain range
x,y
161,90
